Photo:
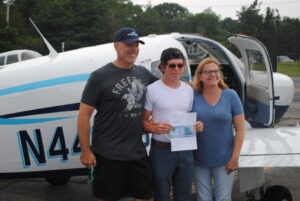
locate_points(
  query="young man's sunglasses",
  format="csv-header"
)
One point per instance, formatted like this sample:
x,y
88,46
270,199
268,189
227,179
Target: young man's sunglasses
x,y
174,65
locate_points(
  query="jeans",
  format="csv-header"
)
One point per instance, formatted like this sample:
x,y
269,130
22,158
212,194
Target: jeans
x,y
172,170
213,183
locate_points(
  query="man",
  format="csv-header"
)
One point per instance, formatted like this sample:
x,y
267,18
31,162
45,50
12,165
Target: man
x,y
171,169
117,92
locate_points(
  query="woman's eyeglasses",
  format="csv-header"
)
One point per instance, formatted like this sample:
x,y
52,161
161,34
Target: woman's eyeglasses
x,y
174,65
210,72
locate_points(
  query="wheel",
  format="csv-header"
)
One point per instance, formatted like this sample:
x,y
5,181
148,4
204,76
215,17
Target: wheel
x,y
57,180
277,193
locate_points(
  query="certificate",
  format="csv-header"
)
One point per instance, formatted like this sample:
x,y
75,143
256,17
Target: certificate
x,y
183,135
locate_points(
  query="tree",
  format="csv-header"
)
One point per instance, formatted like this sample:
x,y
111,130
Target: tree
x,y
229,25
250,22
170,10
17,35
150,22
288,37
208,24
26,7
171,14
82,23
182,23
270,36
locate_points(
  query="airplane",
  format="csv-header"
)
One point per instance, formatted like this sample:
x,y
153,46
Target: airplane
x,y
39,103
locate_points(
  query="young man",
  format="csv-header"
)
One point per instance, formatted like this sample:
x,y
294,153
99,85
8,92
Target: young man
x,y
163,98
117,92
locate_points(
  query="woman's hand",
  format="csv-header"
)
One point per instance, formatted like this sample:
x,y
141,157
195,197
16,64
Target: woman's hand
x,y
199,126
232,165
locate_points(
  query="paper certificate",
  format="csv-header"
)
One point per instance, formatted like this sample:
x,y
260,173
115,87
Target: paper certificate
x,y
183,135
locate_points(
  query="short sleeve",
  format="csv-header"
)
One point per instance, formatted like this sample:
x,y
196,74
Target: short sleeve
x,y
92,90
236,104
191,94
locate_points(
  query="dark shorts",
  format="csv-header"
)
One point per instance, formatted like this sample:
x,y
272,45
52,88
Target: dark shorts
x,y
116,179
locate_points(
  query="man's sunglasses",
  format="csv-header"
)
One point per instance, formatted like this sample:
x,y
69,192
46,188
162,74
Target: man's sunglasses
x,y
174,65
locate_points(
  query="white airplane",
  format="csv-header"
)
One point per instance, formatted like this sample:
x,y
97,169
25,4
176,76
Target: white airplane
x,y
39,102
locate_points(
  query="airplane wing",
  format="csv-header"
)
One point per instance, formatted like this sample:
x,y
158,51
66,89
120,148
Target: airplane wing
x,y
271,147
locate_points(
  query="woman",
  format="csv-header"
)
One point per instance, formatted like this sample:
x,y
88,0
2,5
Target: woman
x,y
219,108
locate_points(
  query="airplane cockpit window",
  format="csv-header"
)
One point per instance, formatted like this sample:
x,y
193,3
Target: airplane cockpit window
x,y
12,59
157,73
195,53
17,56
197,50
255,60
2,61
257,68
27,55
215,52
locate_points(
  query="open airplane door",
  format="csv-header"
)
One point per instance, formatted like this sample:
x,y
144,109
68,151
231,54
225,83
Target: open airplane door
x,y
259,89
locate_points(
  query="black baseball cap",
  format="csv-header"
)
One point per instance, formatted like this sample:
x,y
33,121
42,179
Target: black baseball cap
x,y
169,54
127,35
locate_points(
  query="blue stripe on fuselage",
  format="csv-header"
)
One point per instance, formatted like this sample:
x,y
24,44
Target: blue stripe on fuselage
x,y
45,83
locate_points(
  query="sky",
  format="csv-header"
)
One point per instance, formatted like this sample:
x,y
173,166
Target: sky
x,y
229,8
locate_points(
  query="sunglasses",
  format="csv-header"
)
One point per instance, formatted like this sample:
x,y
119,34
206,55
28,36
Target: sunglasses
x,y
174,65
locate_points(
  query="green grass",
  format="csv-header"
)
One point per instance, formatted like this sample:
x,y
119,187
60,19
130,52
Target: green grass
x,y
289,68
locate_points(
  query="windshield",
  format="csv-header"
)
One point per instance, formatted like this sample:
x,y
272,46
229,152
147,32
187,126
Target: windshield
x,y
198,50
28,55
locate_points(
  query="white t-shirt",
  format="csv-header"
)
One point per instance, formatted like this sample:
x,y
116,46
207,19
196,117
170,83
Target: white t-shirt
x,y
162,101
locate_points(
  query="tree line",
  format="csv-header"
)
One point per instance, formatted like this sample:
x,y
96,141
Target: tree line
x,y
84,23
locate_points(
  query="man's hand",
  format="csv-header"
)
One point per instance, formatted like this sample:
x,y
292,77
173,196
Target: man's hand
x,y
161,127
88,159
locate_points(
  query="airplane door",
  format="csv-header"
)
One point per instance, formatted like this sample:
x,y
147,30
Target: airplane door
x,y
259,89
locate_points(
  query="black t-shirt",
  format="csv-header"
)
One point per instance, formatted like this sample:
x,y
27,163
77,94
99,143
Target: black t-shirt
x,y
118,96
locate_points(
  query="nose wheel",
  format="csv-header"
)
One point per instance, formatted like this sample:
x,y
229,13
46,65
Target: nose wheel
x,y
277,193
58,180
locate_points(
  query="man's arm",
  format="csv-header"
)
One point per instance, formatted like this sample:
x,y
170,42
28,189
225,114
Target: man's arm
x,y
83,127
153,127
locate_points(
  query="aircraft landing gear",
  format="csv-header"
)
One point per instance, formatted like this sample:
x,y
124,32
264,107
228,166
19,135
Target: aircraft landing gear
x,y
273,193
57,180
277,193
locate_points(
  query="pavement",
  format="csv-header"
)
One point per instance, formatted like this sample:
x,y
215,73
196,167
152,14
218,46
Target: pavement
x,y
77,188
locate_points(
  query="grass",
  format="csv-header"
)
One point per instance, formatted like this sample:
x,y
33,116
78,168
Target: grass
x,y
289,68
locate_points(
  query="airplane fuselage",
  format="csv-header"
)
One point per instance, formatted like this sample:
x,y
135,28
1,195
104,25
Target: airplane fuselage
x,y
39,99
